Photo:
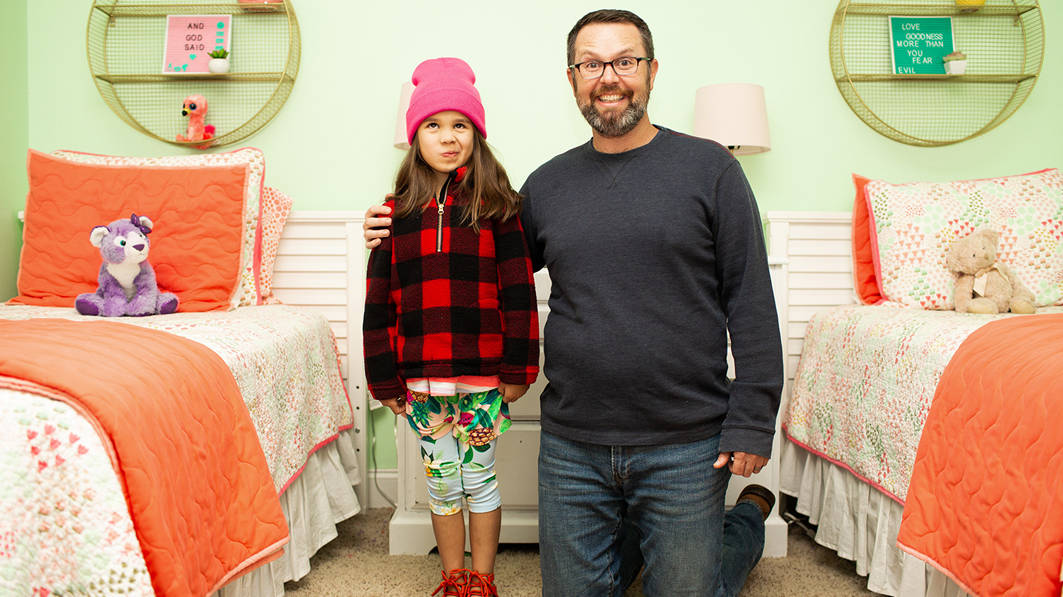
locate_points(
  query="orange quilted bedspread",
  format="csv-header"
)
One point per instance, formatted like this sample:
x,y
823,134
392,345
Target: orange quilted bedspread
x,y
199,492
985,504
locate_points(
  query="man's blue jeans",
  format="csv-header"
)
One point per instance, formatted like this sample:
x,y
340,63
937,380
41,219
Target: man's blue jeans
x,y
671,495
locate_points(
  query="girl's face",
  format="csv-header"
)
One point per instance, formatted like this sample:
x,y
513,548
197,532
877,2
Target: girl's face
x,y
445,140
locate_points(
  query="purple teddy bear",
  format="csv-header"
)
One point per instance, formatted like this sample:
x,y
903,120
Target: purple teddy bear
x,y
127,282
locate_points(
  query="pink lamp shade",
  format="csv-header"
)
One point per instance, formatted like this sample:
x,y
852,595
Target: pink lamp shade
x,y
400,121
733,114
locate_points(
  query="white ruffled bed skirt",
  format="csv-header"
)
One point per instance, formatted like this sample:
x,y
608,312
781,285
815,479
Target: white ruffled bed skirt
x,y
319,498
860,523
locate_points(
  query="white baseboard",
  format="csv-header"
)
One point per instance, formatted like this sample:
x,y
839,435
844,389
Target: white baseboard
x,y
776,534
388,480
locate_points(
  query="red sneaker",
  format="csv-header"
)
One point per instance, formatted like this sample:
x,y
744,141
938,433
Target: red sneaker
x,y
453,583
481,585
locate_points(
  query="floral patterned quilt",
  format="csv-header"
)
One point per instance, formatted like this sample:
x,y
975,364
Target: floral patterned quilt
x,y
865,382
66,528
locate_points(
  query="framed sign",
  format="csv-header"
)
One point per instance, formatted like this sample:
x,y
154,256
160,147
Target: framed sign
x,y
189,40
918,44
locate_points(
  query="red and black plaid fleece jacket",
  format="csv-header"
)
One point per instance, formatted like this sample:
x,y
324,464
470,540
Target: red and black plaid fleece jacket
x,y
467,309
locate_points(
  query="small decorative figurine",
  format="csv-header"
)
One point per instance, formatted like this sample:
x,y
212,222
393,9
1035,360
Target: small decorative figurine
x,y
195,108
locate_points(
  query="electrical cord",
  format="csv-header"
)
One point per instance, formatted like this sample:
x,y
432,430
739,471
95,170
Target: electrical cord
x,y
372,455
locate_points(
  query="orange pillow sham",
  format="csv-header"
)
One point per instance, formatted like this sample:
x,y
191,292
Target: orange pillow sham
x,y
865,278
195,246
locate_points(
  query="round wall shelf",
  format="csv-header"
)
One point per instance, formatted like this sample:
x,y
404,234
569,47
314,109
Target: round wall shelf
x,y
126,42
1004,45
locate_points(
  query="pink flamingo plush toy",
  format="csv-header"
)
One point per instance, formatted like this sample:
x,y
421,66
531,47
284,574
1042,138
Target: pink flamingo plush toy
x,y
195,108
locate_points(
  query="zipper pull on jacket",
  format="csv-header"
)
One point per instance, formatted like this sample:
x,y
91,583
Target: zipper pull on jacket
x,y
441,201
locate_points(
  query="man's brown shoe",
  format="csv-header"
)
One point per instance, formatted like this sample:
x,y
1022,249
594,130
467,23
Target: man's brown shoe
x,y
759,495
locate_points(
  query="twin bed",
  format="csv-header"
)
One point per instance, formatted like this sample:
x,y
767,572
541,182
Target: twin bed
x,y
925,426
85,513
72,528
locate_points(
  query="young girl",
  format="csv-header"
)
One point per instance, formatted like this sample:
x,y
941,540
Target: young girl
x,y
451,328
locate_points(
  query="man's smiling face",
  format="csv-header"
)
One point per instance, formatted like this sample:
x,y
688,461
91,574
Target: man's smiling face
x,y
612,104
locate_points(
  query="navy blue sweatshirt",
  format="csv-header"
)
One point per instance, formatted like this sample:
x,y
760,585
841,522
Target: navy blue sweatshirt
x,y
654,254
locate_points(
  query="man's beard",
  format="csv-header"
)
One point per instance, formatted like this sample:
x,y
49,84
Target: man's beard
x,y
615,125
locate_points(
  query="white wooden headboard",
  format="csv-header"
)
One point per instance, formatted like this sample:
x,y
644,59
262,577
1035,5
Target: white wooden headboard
x,y
813,254
321,266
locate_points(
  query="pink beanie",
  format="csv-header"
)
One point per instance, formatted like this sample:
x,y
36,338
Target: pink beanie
x,y
443,84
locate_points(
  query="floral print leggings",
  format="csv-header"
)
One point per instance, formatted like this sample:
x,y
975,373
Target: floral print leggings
x,y
458,437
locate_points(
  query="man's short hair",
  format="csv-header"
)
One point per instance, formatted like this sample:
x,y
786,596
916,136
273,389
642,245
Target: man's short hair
x,y
609,15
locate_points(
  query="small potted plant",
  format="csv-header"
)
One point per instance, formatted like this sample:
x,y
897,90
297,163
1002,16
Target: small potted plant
x,y
955,63
219,61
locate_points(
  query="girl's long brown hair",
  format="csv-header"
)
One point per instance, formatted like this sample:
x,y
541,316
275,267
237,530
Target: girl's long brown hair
x,y
486,185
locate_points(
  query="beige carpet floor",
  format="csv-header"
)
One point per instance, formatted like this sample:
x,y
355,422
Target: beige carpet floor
x,y
357,564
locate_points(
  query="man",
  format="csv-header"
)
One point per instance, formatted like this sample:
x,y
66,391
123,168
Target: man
x,y
655,251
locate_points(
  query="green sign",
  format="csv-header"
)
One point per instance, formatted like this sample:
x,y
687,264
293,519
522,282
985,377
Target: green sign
x,y
918,44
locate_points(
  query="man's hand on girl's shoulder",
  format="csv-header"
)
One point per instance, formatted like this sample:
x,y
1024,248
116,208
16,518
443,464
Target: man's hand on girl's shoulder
x,y
376,225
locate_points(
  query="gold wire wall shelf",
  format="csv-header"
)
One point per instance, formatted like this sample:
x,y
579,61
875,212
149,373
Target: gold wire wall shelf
x,y
126,42
1004,45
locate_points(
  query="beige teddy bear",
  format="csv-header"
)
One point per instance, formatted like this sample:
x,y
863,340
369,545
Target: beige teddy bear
x,y
984,285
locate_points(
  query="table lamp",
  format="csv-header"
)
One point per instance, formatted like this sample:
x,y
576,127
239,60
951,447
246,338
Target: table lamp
x,y
734,115
400,122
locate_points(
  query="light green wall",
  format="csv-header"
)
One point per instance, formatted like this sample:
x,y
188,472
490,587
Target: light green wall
x,y
13,113
330,146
